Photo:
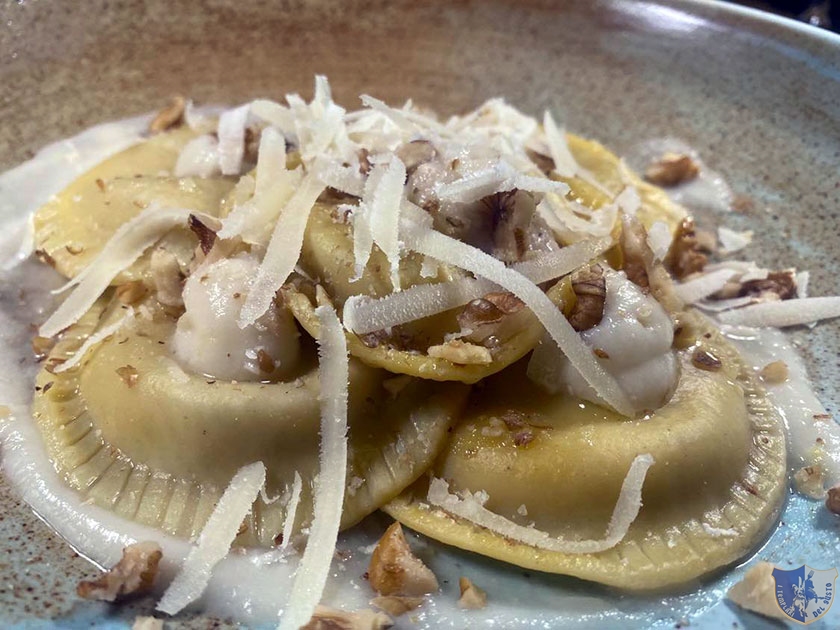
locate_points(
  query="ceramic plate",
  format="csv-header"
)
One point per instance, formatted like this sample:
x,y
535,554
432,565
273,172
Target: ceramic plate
x,y
757,96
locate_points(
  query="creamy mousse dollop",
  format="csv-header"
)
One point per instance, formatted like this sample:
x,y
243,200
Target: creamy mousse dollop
x,y
208,339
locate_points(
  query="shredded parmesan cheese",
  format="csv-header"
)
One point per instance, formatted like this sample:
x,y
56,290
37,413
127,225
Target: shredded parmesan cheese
x,y
231,133
470,506
215,539
283,250
703,286
92,340
385,215
454,252
314,567
291,511
732,241
363,314
786,313
128,243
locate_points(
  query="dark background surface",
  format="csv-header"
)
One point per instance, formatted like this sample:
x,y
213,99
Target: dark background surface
x,y
823,13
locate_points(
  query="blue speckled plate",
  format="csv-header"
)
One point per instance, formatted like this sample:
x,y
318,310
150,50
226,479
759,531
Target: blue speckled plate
x,y
757,96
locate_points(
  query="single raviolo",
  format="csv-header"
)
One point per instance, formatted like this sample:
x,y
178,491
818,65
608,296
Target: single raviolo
x,y
715,488
73,227
131,430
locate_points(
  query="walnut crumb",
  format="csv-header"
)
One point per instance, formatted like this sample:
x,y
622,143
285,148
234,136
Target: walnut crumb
x,y
133,574
810,481
705,360
601,353
395,570
170,116
128,374
472,597
396,605
461,353
774,372
265,362
672,169
832,499
756,592
326,618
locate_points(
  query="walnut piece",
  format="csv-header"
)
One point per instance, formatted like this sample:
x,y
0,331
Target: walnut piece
x,y
810,481
147,623
591,291
472,597
461,353
167,278
832,499
128,374
394,570
672,169
685,255
397,605
326,618
774,372
705,360
134,574
756,592
170,116
778,285
206,236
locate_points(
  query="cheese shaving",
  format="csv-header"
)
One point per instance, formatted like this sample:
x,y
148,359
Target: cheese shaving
x,y
283,250
385,215
703,286
215,539
271,160
470,506
274,114
314,567
456,253
659,239
732,241
291,511
565,164
786,313
126,245
363,314
231,132
92,340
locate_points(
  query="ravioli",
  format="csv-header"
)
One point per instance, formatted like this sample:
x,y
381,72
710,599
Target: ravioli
x,y
715,488
136,434
528,387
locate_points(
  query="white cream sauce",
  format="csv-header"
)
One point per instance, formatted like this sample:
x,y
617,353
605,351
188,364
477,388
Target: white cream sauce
x,y
208,339
635,334
250,586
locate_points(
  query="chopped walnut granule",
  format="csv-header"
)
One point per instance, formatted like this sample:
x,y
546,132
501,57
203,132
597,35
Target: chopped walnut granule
x,y
472,597
832,499
395,570
206,236
167,278
774,372
41,346
147,623
810,481
672,169
523,438
756,592
135,573
128,374
685,255
170,116
705,360
396,605
461,353
265,362
325,618
590,290
130,293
